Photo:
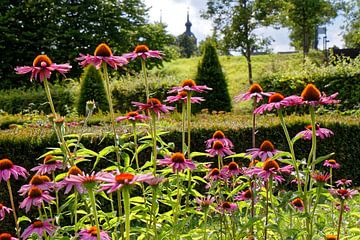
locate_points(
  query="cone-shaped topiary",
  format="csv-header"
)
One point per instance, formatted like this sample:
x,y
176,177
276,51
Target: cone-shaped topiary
x,y
210,74
92,88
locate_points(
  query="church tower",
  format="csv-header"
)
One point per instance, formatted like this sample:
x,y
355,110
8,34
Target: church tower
x,y
187,41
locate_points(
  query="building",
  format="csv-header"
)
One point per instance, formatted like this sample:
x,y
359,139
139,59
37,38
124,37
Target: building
x,y
187,41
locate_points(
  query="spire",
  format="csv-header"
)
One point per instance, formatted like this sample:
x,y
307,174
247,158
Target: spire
x,y
188,24
160,15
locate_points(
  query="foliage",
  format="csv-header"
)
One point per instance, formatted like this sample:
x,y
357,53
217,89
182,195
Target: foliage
x,y
210,74
92,88
352,24
187,45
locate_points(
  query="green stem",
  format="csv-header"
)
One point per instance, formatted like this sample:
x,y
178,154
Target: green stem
x,y
126,197
57,198
178,198
332,204
253,125
205,222
13,209
143,68
48,95
75,210
154,142
340,219
188,104
266,210
93,205
183,112
314,208
40,214
136,147
43,205
220,162
153,210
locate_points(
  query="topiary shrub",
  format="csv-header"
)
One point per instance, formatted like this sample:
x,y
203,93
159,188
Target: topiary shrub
x,y
92,88
210,74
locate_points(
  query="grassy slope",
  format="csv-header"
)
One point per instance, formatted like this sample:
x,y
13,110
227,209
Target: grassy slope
x,y
235,69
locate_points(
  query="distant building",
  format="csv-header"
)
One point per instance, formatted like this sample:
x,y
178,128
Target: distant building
x,y
187,41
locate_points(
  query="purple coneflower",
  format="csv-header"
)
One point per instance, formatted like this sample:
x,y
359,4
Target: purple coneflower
x,y
214,175
298,204
220,136
266,150
8,169
312,96
243,196
227,207
278,101
255,91
35,198
320,132
143,52
230,170
85,180
39,227
91,234
178,162
155,181
182,96
218,148
346,207
75,171
332,164
7,236
343,193
269,169
49,166
343,182
153,105
113,183
3,211
102,54
189,85
41,181
42,68
320,178
204,202
132,117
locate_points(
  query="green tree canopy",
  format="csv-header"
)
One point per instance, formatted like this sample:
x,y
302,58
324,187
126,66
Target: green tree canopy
x,y
352,24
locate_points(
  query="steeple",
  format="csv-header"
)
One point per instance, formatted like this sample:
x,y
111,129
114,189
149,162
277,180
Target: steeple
x,y
188,25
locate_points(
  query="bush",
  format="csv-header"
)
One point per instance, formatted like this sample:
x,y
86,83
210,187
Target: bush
x,y
92,88
210,74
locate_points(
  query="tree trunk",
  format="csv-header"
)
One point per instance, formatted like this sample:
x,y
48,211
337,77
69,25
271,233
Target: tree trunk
x,y
248,60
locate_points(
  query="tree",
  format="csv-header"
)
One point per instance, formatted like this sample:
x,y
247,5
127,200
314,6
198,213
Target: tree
x,y
210,73
237,20
352,24
187,46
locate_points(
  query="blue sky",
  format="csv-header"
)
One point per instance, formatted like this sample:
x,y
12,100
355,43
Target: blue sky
x,y
173,14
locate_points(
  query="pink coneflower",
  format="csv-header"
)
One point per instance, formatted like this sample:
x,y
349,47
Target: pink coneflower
x,y
7,236
298,204
189,85
312,96
41,181
320,178
320,132
3,211
269,169
204,202
153,105
346,207
35,198
182,96
243,196
220,136
50,165
91,234
143,51
178,162
214,175
227,207
132,117
343,193
343,182
266,150
230,170
155,181
85,180
218,148
255,91
113,183
39,227
332,164
8,169
278,101
102,54
42,68
74,170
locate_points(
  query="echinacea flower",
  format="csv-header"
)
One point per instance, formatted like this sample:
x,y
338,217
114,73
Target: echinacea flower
x,y
75,171
255,91
8,169
243,196
39,228
87,181
227,207
132,117
230,170
214,175
320,178
266,150
220,136
178,162
332,164
41,181
343,182
189,85
270,168
343,193
298,204
312,96
218,148
143,52
182,96
204,202
155,181
3,211
346,207
91,234
49,166
113,183
7,236
278,101
102,54
35,198
153,105
320,132
42,68
331,237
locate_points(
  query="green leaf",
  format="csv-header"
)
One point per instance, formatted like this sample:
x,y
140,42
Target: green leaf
x,y
239,155
323,158
281,155
199,154
23,219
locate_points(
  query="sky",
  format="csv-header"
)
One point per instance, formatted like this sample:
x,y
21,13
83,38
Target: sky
x,y
173,13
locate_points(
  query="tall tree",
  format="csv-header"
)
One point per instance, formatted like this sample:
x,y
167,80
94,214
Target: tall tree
x,y
352,24
237,20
